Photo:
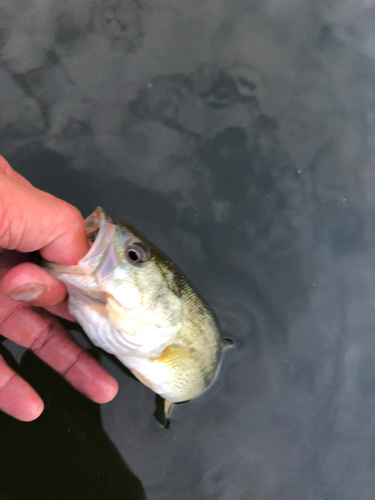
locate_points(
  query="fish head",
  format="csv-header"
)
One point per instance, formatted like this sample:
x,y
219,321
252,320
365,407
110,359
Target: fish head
x,y
124,292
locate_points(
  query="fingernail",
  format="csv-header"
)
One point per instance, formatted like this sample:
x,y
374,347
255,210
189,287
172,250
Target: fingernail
x,y
28,293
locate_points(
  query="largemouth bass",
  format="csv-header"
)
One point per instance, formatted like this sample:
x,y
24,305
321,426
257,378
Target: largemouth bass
x,y
134,302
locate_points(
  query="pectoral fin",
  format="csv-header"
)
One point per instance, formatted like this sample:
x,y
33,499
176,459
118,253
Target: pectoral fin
x,y
225,343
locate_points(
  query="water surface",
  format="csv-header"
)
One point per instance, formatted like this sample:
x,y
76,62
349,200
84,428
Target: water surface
x,y
238,136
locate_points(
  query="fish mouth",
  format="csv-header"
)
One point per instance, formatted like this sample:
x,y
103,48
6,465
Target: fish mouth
x,y
100,232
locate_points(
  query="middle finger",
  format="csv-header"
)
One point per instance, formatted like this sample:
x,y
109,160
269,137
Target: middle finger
x,y
46,337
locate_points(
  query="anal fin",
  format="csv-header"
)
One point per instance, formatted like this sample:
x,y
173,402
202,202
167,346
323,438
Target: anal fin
x,y
163,411
168,407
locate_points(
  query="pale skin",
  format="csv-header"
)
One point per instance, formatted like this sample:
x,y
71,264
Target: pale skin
x,y
30,221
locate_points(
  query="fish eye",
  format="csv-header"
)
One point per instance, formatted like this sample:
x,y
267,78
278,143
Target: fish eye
x,y
136,253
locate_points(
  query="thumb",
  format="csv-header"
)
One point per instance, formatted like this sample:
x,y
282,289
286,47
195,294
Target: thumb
x,y
31,219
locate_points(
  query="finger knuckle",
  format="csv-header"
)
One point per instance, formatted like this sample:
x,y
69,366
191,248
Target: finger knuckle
x,y
73,362
5,228
6,375
72,217
43,336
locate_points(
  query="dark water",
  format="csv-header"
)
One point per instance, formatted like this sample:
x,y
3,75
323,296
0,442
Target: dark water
x,y
238,136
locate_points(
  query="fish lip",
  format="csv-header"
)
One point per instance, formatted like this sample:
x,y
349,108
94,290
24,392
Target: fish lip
x,y
106,230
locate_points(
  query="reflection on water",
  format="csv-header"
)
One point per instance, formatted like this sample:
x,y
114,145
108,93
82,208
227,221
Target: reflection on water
x,y
63,454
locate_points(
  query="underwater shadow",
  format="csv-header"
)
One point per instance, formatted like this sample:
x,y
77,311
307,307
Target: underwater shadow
x,y
64,454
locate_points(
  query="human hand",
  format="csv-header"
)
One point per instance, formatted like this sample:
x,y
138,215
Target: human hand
x,y
30,221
